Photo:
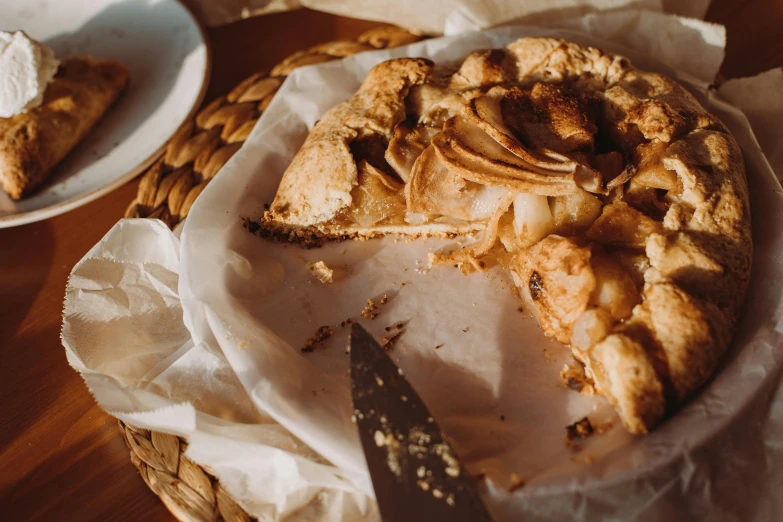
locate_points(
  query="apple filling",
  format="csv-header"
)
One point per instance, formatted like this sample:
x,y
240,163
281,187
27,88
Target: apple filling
x,y
520,161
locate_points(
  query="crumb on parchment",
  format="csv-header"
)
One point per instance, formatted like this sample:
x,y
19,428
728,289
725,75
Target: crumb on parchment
x,y
371,310
388,342
516,483
580,429
574,378
321,334
398,326
321,271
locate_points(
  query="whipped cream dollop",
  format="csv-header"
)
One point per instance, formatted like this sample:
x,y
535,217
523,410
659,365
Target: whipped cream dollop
x,y
26,68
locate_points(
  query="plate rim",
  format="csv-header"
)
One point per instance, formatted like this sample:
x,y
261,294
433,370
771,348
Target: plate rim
x,y
50,211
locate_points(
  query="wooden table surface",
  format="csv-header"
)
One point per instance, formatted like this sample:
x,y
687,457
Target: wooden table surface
x,y
61,457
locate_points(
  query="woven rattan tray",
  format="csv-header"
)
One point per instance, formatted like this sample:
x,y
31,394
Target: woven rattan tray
x,y
167,191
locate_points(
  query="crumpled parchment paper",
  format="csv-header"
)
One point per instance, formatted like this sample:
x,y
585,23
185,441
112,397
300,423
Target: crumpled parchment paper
x,y
430,17
200,337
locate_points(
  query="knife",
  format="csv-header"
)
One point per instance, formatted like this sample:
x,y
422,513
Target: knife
x,y
415,472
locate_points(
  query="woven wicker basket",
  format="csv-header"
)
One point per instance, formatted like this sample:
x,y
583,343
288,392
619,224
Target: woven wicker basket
x,y
167,191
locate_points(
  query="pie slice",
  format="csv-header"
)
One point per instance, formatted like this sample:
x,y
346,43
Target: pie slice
x,y
618,204
34,142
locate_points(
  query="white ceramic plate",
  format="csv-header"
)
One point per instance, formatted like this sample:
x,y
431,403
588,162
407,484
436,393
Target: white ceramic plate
x,y
166,52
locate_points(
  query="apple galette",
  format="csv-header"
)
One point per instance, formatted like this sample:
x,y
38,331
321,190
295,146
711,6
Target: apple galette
x,y
618,204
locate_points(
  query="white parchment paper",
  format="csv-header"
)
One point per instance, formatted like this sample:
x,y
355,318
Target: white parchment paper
x,y
201,337
431,16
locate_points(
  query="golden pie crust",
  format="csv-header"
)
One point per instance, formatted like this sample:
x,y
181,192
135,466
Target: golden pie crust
x,y
34,142
619,205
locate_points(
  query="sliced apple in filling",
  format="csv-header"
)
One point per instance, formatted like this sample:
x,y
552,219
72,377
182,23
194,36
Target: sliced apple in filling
x,y
377,198
516,163
476,156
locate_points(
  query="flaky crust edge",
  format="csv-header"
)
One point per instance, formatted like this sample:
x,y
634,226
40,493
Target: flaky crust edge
x,y
700,264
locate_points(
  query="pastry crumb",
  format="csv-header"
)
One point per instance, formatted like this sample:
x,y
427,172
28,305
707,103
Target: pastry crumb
x,y
321,271
516,483
321,334
580,429
574,378
252,226
388,342
371,310
398,326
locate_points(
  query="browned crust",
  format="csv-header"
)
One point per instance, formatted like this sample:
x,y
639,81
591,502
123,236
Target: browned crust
x,y
700,259
317,236
34,142
319,181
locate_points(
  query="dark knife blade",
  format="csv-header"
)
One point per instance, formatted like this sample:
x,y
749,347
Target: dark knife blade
x,y
415,472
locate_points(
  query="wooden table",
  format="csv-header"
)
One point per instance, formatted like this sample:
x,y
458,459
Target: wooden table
x,y
61,457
